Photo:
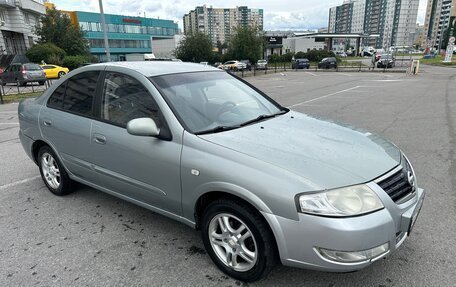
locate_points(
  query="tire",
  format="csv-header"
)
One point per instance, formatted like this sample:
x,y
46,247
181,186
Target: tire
x,y
247,256
52,172
60,74
41,83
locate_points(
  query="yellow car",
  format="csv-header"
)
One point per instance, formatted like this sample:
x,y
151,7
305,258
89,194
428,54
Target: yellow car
x,y
54,71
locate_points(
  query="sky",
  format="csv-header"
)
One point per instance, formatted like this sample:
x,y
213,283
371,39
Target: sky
x,y
278,15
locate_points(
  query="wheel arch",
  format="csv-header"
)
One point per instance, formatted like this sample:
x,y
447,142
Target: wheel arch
x,y
37,145
207,198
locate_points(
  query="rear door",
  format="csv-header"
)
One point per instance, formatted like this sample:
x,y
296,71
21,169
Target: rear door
x,y
146,169
65,123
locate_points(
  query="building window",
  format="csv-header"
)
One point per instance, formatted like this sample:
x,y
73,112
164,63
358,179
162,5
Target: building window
x,y
2,15
26,18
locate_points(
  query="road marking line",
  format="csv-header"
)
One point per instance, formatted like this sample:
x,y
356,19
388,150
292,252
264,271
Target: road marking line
x,y
9,112
9,123
325,96
385,80
315,75
5,186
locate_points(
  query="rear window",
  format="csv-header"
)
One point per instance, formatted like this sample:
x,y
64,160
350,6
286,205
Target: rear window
x,y
76,94
32,67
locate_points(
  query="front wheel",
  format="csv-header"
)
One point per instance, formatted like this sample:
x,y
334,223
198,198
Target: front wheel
x,y
61,74
52,172
238,240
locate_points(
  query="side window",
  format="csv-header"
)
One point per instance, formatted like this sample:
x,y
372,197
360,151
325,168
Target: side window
x,y
56,99
80,92
124,99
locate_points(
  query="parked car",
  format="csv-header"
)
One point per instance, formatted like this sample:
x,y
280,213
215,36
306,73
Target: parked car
x,y
232,65
54,71
262,65
327,63
300,64
194,143
23,74
248,65
386,61
341,54
216,64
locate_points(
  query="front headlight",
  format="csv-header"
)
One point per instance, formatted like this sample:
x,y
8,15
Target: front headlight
x,y
340,202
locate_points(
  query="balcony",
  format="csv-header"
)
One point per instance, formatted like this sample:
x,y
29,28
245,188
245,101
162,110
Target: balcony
x,y
35,6
7,3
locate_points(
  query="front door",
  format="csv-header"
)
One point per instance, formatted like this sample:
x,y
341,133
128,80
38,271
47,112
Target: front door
x,y
143,168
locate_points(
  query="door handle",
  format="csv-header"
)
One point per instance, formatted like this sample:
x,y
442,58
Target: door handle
x,y
47,123
99,139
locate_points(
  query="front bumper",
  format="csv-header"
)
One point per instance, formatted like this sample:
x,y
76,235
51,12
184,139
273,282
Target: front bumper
x,y
299,241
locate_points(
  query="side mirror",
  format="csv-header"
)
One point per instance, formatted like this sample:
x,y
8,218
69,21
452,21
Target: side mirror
x,y
143,127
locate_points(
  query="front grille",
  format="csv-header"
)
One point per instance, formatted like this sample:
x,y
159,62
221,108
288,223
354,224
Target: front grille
x,y
397,185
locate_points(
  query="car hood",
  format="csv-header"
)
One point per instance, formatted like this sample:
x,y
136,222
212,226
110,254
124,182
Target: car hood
x,y
325,153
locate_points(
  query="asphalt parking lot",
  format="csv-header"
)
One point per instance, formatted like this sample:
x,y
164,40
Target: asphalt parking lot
x,y
93,239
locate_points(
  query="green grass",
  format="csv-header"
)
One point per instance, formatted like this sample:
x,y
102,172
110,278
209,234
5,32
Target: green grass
x,y
437,61
17,97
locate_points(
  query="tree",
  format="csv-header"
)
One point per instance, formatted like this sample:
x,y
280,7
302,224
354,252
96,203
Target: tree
x,y
196,47
247,43
56,28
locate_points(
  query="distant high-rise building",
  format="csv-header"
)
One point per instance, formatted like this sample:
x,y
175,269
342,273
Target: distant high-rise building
x,y
393,20
438,16
218,23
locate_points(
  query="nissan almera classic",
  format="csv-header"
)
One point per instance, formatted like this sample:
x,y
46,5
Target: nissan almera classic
x,y
264,184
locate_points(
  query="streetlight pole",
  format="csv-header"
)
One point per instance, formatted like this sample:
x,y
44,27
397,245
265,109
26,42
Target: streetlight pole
x,y
105,32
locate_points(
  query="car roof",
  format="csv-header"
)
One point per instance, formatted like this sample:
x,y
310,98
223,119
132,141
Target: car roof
x,y
155,68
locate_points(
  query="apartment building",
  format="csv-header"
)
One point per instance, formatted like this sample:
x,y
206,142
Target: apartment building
x,y
219,23
393,20
439,14
18,20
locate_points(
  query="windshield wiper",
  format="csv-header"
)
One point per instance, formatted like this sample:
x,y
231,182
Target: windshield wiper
x,y
217,129
263,117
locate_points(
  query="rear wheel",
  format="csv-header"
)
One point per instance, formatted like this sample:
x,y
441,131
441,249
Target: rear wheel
x,y
52,172
238,240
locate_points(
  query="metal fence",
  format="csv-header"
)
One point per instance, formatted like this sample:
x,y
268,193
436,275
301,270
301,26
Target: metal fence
x,y
17,89
401,66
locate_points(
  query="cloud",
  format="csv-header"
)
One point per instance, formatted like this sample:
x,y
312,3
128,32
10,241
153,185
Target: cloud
x,y
289,14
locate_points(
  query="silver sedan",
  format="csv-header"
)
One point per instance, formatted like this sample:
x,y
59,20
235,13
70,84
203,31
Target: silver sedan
x,y
263,184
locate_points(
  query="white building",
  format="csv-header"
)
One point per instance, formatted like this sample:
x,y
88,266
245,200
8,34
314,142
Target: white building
x,y
164,48
18,19
302,44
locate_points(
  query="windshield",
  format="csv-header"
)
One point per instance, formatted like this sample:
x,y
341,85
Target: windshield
x,y
214,101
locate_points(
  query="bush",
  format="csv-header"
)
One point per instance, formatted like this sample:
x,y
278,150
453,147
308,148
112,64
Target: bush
x,y
314,55
47,52
73,62
274,58
288,56
300,55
